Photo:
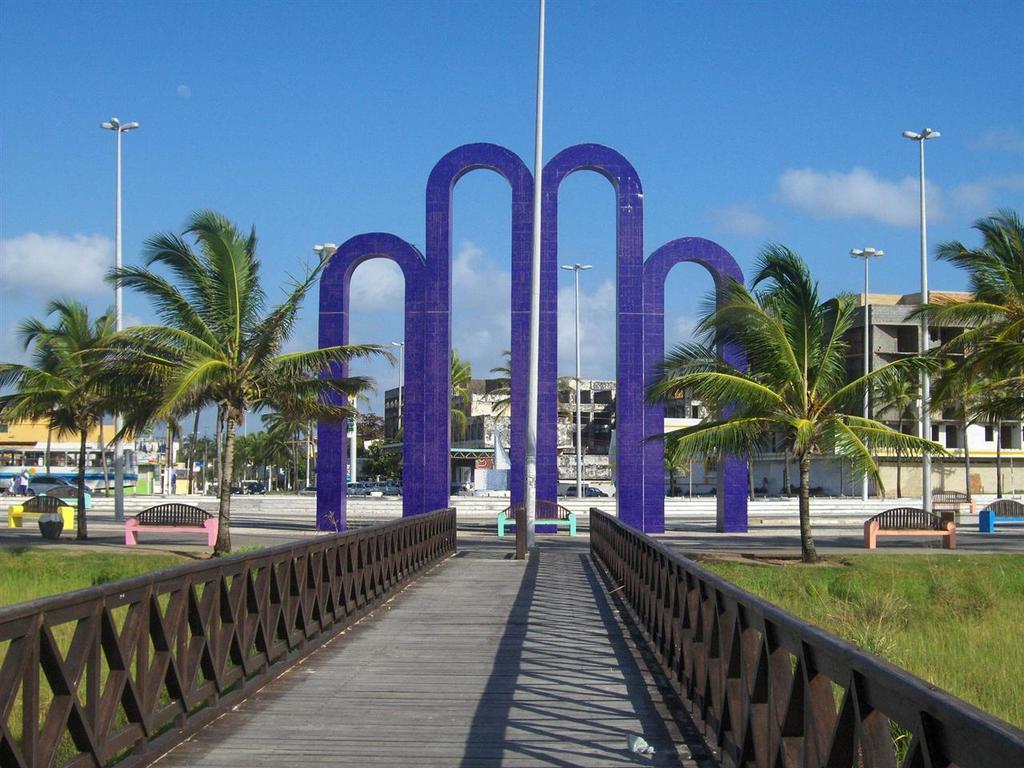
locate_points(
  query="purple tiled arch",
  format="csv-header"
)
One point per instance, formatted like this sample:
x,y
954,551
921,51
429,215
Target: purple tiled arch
x,y
732,479
629,262
333,328
438,301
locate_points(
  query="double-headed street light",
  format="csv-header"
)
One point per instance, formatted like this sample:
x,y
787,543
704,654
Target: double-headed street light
x,y
576,269
867,254
115,125
926,416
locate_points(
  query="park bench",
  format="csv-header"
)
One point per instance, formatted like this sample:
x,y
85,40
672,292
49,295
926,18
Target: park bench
x,y
548,513
171,517
1001,511
35,506
908,521
952,500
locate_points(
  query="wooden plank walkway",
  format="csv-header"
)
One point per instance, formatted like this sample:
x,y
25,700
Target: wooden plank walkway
x,y
482,662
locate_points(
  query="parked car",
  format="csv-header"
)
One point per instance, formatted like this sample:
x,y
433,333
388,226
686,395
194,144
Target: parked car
x,y
309,490
40,485
589,492
253,487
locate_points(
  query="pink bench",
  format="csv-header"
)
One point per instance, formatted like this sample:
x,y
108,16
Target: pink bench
x,y
171,518
908,521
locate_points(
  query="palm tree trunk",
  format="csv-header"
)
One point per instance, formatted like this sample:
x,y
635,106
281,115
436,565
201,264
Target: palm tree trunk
x,y
49,440
967,461
807,550
82,533
103,461
999,459
785,473
192,451
220,451
899,474
750,475
223,546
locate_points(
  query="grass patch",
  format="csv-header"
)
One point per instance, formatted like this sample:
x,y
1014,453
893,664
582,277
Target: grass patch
x,y
27,573
955,621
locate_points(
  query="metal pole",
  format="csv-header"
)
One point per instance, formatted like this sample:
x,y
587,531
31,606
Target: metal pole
x,y
867,366
579,417
534,373
352,462
118,324
926,393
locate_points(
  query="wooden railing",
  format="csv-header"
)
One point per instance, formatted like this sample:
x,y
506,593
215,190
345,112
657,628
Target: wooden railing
x,y
123,671
771,690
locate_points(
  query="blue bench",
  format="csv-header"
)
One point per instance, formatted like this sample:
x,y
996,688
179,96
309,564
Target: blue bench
x,y
565,519
1001,511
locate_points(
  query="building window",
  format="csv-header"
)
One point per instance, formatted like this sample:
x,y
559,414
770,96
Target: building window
x,y
1006,436
694,411
951,436
3,428
989,433
935,433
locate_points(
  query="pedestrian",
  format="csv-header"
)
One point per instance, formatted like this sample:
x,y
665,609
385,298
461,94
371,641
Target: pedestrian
x,y
23,485
12,487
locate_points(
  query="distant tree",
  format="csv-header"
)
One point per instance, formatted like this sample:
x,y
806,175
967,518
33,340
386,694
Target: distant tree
x,y
462,374
504,386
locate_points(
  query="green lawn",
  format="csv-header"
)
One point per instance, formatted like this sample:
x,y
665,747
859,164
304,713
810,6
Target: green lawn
x,y
27,573
956,621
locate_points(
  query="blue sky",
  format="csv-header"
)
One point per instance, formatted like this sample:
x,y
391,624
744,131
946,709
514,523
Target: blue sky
x,y
748,123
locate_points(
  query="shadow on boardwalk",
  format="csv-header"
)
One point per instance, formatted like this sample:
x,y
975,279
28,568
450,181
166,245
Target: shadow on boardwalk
x,y
482,662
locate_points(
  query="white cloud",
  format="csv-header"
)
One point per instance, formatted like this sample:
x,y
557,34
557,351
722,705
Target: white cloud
x,y
741,219
378,284
184,92
1001,140
597,331
981,196
47,265
859,193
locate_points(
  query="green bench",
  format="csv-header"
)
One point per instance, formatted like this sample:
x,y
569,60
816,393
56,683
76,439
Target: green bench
x,y
563,517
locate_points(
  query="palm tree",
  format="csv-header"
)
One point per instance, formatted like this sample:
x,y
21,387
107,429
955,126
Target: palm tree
x,y
219,345
504,388
898,395
794,384
461,376
60,386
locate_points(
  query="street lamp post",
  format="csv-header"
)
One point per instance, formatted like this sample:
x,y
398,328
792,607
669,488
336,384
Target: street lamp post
x,y
867,254
401,378
524,543
576,269
926,415
115,125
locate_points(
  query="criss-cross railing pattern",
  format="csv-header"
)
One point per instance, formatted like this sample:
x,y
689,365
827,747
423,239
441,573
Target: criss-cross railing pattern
x,y
127,669
770,690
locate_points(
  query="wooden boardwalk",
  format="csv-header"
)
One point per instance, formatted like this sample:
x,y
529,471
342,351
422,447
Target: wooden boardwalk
x,y
482,662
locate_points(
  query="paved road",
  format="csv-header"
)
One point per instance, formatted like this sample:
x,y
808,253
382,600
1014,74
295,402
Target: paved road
x,y
482,662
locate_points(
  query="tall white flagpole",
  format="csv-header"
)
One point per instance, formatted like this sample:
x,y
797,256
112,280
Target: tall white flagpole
x,y
532,398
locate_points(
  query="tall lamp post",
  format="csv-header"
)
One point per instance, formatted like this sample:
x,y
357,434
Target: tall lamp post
x,y
527,541
401,378
576,269
115,125
867,254
926,393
